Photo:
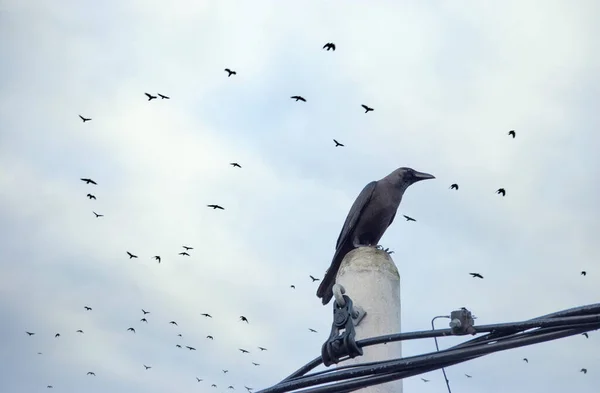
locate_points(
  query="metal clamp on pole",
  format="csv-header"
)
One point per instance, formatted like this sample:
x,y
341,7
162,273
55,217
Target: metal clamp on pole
x,y
462,321
342,341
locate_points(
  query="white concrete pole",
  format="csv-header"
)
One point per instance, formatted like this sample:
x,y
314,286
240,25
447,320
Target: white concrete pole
x,y
372,281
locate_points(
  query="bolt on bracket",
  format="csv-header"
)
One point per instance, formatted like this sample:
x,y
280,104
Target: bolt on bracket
x,y
342,339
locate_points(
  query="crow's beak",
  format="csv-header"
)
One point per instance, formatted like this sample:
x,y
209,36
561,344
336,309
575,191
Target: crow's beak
x,y
422,176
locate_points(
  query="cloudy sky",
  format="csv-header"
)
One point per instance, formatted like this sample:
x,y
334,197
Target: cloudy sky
x,y
447,82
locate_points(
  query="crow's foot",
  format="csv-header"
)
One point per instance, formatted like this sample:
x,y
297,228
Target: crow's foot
x,y
380,247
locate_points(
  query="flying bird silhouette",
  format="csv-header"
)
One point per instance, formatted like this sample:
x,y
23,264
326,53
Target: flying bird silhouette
x,y
526,360
298,98
235,165
144,320
88,181
131,255
256,364
424,380
216,207
243,350
97,215
90,196
468,376
409,218
213,386
329,46
163,97
84,119
190,348
147,367
367,109
293,286
157,257
57,335
188,248
312,330
30,333
338,144
206,315
583,273
512,133
583,370
173,323
87,308
501,191
91,373
476,275
262,348
225,371
145,312
198,379
454,186
230,72
79,331
150,96
178,346
244,319
210,337
131,329
184,254
314,278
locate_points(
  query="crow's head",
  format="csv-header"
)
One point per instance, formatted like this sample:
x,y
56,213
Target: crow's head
x,y
404,177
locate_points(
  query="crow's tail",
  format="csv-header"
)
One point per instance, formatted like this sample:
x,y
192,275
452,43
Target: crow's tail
x,y
325,290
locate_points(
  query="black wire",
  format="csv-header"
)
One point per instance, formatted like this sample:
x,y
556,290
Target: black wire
x,y
500,337
495,330
316,362
402,368
373,341
360,383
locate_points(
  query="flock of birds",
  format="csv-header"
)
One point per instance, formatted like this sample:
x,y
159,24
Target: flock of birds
x,y
158,258
174,323
328,46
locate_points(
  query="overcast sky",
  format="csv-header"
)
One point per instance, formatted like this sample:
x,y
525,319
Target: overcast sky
x,y
447,82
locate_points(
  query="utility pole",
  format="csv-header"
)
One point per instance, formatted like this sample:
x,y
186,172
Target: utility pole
x,y
372,281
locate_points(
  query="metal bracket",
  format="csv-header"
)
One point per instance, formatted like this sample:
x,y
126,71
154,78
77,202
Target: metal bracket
x,y
462,321
357,315
357,312
340,343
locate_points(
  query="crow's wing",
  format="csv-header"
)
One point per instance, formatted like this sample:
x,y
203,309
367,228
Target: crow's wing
x,y
355,211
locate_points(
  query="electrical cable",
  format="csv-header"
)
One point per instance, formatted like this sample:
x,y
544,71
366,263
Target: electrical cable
x,y
498,337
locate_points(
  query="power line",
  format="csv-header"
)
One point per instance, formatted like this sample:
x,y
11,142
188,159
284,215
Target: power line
x,y
498,337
